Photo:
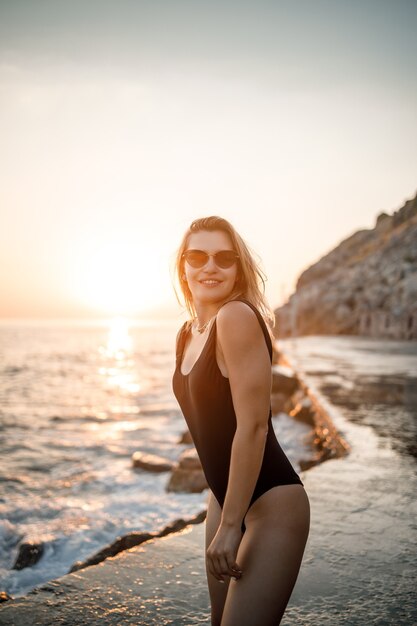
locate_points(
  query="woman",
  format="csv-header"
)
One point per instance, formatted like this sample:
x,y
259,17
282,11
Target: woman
x,y
258,513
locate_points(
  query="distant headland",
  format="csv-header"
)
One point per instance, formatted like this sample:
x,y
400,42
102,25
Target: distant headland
x,y
367,285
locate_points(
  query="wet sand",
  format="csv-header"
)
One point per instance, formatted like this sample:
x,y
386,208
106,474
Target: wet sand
x,y
359,566
361,561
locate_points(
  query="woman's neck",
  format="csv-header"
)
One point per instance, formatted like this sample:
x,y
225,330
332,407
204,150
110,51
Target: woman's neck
x,y
205,313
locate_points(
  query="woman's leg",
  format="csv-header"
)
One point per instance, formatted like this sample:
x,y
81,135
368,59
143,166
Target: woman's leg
x,y
217,590
270,555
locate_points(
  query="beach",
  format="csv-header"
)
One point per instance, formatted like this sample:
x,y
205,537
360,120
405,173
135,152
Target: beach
x,y
359,565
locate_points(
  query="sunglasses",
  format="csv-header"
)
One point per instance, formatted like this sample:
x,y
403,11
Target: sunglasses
x,y
199,258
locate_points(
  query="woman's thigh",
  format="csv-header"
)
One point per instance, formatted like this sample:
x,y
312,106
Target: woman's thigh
x,y
270,556
217,590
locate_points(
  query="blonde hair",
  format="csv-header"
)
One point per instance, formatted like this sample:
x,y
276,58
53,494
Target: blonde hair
x,y
250,282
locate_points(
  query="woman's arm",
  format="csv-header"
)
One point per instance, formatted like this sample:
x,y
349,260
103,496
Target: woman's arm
x,y
249,369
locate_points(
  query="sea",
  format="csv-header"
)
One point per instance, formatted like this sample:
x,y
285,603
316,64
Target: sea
x,y
77,399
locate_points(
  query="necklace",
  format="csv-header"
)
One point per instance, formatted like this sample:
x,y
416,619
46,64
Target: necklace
x,y
201,329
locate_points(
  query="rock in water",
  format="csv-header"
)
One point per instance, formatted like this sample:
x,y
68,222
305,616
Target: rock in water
x,y
4,596
151,462
186,437
284,380
303,412
188,476
29,553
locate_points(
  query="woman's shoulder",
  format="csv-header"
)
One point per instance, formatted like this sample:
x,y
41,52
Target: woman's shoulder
x,y
237,316
240,320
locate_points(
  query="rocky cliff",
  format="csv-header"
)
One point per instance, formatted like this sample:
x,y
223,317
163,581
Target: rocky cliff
x,y
367,285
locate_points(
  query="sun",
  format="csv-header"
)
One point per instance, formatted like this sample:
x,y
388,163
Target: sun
x,y
120,277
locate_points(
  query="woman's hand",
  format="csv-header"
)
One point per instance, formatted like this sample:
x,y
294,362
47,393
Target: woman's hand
x,y
221,553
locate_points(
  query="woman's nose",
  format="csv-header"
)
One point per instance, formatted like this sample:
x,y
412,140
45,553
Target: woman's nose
x,y
211,264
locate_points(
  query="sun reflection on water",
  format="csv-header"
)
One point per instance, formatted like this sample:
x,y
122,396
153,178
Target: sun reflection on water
x,y
118,352
119,342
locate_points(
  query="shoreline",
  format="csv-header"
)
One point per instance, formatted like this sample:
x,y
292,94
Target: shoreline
x,y
327,443
358,568
328,440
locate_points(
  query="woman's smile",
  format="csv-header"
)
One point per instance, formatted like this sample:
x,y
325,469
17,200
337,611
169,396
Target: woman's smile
x,y
210,282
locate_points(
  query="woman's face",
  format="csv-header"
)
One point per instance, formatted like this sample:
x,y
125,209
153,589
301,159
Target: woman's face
x,y
210,284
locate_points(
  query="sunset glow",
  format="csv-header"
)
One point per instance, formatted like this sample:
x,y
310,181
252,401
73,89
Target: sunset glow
x,y
118,277
120,123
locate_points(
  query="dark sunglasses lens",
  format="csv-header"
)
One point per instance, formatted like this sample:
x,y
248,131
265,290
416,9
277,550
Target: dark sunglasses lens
x,y
199,258
225,258
196,258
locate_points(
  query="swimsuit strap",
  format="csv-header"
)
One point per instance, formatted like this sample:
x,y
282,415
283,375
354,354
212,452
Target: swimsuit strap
x,y
180,342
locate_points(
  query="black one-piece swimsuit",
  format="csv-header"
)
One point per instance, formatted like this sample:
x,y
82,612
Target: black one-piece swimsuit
x,y
205,399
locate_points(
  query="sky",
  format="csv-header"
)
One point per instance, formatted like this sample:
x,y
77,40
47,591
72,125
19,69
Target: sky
x,y
122,121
